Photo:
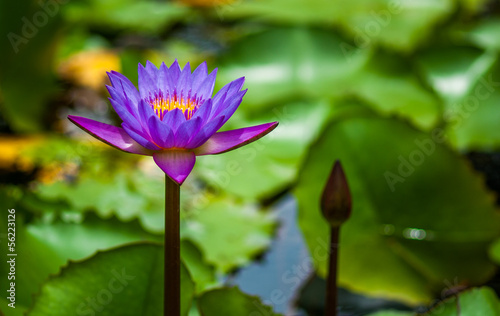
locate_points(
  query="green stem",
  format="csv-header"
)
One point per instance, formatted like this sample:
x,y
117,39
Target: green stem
x,y
331,290
172,299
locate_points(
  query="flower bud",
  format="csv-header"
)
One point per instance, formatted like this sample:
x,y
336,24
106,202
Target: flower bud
x,y
336,200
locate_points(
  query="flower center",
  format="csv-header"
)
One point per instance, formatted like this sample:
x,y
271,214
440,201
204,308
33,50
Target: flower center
x,y
161,105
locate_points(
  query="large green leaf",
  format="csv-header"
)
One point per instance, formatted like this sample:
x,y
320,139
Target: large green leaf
x,y
285,64
392,313
203,274
26,53
145,16
390,87
266,167
52,243
230,302
474,302
123,281
469,82
311,63
230,234
484,34
396,24
127,195
420,214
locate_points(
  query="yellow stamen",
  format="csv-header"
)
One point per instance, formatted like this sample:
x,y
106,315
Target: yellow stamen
x,y
162,106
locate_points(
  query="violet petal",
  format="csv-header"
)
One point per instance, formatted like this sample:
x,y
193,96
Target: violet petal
x,y
111,135
176,164
225,141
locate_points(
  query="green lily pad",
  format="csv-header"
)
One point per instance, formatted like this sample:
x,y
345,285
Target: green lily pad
x,y
52,243
283,64
202,273
392,313
229,246
484,34
269,165
399,25
495,251
145,16
404,198
478,301
473,302
123,281
468,81
230,302
27,48
388,86
127,195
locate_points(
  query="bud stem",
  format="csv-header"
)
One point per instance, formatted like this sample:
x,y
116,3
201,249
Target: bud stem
x,y
331,290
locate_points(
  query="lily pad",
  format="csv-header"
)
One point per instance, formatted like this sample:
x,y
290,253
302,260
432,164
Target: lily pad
x,y
268,166
400,25
468,81
296,62
410,247
392,313
484,34
52,243
229,246
202,273
127,195
123,281
477,301
146,16
387,85
230,302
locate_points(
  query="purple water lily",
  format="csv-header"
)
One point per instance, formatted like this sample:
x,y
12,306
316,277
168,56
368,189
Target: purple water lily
x,y
173,117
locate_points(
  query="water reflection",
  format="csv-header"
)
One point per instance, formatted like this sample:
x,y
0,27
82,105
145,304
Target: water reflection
x,y
408,233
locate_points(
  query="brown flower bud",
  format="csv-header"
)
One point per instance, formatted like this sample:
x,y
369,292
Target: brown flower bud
x,y
336,200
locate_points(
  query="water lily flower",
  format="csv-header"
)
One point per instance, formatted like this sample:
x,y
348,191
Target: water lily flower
x,y
173,117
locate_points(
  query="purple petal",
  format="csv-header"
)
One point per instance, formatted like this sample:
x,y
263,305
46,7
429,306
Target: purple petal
x,y
174,119
163,83
231,104
219,101
184,85
225,141
147,84
111,135
125,115
203,111
205,133
161,134
143,141
176,164
126,102
115,94
199,75
152,70
206,88
145,113
186,131
124,86
173,74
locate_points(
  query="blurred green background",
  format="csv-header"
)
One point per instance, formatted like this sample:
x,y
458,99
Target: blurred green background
x,y
404,92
